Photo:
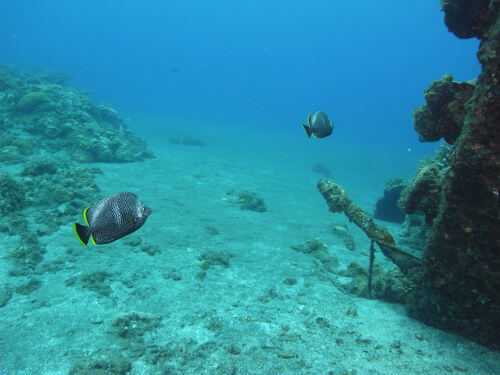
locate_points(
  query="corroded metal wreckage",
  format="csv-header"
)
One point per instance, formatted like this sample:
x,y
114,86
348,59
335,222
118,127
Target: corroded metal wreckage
x,y
338,201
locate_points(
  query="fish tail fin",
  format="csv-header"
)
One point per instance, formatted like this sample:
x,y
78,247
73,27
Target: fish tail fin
x,y
308,130
82,233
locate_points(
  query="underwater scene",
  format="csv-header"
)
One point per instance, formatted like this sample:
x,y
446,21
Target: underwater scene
x,y
249,187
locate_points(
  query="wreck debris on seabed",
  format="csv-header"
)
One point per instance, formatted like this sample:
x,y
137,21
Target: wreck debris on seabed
x,y
338,201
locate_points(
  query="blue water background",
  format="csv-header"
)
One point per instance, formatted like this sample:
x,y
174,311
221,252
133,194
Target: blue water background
x,y
262,65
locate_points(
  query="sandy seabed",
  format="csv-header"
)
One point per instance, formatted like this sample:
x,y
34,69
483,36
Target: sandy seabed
x,y
145,305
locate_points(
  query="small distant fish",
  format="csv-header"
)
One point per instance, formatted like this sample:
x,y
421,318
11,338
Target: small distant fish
x,y
319,125
111,218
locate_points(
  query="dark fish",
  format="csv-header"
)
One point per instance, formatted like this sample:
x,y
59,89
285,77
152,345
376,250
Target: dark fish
x,y
111,218
319,125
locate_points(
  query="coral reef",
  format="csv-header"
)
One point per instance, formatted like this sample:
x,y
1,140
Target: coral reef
x,y
386,207
47,128
444,113
55,117
460,278
31,101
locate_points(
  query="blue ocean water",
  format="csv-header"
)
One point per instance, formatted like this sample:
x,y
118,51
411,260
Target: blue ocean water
x,y
205,287
251,64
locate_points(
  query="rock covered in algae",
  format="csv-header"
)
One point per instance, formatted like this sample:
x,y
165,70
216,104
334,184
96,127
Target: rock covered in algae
x,y
249,200
444,112
424,193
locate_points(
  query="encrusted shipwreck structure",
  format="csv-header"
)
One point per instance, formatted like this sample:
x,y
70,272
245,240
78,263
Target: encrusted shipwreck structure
x,y
459,289
456,284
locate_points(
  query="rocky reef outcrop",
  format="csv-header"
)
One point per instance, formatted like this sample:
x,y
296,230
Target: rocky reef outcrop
x,y
459,286
40,113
